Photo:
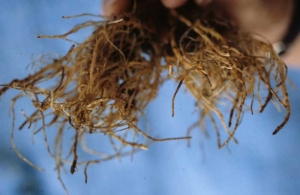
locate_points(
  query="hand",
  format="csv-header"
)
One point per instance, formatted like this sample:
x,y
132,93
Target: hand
x,y
270,18
111,7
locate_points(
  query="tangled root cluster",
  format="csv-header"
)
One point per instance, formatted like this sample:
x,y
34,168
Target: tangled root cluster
x,y
105,83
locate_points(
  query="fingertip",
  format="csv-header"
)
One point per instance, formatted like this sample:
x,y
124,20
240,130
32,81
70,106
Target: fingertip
x,y
203,2
173,3
113,7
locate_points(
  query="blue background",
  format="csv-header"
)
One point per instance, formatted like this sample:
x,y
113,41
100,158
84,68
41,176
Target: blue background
x,y
260,164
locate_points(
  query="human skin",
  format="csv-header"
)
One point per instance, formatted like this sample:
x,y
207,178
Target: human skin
x,y
270,18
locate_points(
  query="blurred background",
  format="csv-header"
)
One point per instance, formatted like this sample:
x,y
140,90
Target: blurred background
x,y
260,164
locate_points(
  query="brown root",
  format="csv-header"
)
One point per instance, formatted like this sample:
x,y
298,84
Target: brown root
x,y
104,84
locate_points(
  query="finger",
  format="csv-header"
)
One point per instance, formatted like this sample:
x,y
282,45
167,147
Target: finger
x,y
173,3
203,2
113,7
